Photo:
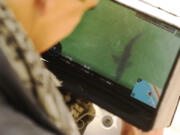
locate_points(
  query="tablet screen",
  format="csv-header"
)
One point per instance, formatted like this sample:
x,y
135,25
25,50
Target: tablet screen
x,y
112,41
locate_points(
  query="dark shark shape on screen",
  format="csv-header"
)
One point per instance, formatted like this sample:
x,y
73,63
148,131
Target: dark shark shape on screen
x,y
122,61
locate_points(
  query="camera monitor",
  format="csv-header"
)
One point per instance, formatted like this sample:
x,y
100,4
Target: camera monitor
x,y
123,63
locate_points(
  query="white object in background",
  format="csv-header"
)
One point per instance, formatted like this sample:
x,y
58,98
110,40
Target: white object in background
x,y
174,129
171,6
104,123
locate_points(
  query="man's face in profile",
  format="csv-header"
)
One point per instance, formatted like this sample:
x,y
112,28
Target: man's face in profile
x,y
48,21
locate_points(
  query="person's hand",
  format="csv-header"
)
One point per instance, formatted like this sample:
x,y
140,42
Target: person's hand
x,y
49,21
128,129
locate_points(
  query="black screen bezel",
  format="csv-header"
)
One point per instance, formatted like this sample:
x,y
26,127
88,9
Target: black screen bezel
x,y
82,82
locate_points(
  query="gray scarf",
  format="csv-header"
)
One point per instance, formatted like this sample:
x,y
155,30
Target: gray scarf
x,y
26,63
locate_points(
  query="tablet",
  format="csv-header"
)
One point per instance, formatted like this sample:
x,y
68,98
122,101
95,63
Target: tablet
x,y
122,63
166,11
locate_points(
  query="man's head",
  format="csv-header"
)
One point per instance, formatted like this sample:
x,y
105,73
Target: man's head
x,y
48,21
